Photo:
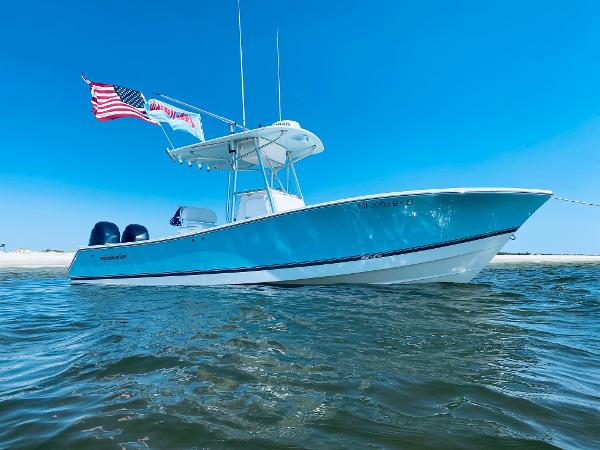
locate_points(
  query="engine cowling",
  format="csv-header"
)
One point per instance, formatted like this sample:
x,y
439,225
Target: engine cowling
x,y
134,233
104,233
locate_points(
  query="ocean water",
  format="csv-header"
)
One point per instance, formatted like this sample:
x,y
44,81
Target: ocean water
x,y
510,361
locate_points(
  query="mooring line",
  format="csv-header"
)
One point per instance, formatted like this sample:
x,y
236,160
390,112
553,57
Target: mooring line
x,y
577,201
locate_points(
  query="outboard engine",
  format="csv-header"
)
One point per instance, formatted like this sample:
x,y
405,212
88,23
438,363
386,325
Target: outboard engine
x,y
134,233
104,233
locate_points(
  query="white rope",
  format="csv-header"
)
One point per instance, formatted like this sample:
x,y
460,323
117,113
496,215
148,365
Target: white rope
x,y
161,127
166,135
577,201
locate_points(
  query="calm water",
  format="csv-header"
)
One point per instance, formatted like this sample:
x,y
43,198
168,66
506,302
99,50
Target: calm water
x,y
510,361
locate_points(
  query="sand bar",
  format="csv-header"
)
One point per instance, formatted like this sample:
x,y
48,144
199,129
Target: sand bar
x,y
31,259
545,259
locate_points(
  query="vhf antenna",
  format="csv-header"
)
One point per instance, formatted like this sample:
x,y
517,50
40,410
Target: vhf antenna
x,y
278,73
241,65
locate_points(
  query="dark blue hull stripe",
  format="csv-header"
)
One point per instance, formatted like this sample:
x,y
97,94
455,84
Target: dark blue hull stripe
x,y
319,262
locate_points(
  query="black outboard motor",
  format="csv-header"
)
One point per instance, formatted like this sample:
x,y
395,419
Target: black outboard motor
x,y
134,233
104,233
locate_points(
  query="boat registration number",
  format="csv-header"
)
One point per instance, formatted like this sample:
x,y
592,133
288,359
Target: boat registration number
x,y
385,203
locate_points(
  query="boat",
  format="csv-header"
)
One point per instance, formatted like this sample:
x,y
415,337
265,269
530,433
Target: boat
x,y
270,235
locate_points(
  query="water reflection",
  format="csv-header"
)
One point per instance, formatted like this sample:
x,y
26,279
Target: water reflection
x,y
507,361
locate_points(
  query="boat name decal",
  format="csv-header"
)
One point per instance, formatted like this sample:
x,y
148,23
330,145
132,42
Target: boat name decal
x,y
385,203
113,257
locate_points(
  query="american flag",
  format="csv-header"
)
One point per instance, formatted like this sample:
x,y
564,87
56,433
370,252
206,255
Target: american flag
x,y
112,102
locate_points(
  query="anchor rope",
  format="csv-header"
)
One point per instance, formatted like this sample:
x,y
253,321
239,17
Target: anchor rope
x,y
581,202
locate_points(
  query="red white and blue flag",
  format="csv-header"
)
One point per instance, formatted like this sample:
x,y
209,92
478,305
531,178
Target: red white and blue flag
x,y
113,102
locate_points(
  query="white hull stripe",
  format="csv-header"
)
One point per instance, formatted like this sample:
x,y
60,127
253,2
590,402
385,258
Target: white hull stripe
x,y
305,263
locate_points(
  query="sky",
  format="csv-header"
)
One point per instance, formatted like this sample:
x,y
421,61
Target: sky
x,y
404,95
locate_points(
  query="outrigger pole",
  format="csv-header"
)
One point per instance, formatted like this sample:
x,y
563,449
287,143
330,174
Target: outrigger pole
x,y
278,73
230,122
203,111
241,65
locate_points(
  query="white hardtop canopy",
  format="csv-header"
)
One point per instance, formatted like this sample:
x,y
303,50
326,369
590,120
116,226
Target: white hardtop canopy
x,y
279,144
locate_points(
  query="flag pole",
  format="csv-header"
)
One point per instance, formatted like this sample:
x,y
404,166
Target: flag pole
x,y
203,111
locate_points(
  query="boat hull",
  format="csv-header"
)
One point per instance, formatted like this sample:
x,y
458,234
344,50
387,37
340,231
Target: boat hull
x,y
425,236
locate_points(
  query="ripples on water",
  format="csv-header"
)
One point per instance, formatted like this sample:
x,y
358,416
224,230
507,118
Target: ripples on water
x,y
512,360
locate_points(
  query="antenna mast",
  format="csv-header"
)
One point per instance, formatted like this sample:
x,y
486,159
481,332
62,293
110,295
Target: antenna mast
x,y
241,65
278,74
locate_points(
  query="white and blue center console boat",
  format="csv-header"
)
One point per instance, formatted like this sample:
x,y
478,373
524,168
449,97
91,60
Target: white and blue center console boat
x,y
271,236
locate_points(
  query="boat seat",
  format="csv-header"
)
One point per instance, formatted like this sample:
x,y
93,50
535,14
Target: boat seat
x,y
200,215
190,219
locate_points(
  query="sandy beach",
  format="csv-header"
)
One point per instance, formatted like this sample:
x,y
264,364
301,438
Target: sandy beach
x,y
29,259
545,259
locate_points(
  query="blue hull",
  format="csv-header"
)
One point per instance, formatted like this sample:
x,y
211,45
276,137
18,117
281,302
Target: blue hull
x,y
320,241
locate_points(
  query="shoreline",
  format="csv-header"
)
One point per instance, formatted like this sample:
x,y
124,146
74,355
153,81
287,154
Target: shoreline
x,y
545,259
26,259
